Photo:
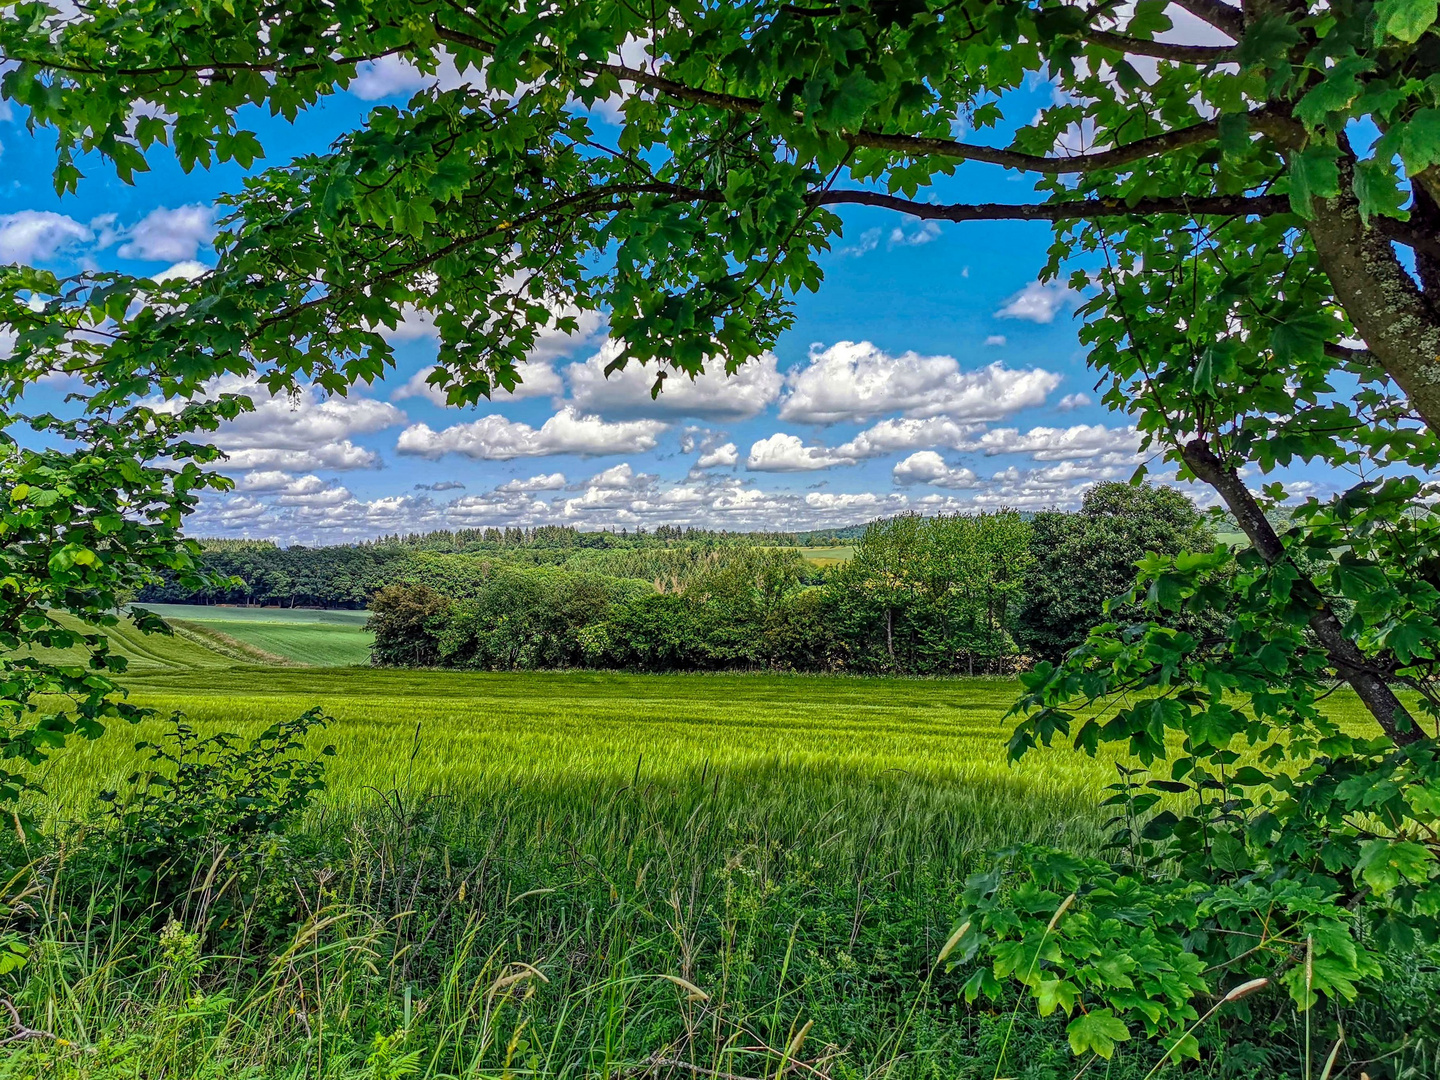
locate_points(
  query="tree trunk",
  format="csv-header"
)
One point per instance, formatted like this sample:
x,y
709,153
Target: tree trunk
x,y
1369,685
1399,324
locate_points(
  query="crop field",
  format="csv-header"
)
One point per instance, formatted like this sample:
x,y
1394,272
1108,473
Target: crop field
x,y
774,749
584,872
306,636
828,556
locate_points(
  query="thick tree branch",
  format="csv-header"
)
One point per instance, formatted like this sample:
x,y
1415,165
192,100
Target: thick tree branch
x,y
1203,55
922,145
208,67
1077,209
1398,322
1406,233
1369,685
1220,15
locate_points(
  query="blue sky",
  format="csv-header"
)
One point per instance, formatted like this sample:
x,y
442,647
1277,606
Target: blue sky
x,y
931,371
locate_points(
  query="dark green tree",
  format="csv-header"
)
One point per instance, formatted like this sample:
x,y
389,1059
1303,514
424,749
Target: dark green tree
x,y
1083,560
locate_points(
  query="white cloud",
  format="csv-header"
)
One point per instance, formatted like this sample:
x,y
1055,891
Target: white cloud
x,y
172,235
928,467
995,340
1037,302
337,455
538,379
1071,402
297,433
914,234
710,395
867,242
29,236
855,381
185,270
496,437
1059,444
888,436
720,456
544,482
270,480
389,75
863,504
551,343
783,452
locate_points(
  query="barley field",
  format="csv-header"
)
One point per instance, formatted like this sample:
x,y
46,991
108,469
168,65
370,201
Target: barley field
x,y
305,636
564,874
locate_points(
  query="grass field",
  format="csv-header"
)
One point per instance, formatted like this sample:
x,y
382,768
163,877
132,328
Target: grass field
x,y
567,875
829,556
928,753
304,636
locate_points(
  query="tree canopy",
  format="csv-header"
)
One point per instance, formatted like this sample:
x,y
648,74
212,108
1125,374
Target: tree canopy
x,y
1249,202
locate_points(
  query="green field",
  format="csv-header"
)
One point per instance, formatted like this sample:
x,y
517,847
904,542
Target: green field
x,y
306,636
508,873
929,752
829,556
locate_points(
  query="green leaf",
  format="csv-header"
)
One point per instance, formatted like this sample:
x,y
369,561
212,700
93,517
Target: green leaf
x,y
1404,20
1314,174
1096,1031
1420,141
1377,186
1384,864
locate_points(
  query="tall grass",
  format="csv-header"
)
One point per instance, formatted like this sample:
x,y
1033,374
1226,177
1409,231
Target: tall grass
x,y
554,876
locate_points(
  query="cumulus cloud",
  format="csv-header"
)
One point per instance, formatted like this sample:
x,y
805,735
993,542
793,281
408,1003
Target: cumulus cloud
x,y
1058,444
889,436
538,379
342,455
856,381
1037,302
914,233
170,234
1071,402
551,343
720,456
184,270
544,482
299,433
390,75
441,485
783,452
711,395
995,340
497,437
30,236
928,467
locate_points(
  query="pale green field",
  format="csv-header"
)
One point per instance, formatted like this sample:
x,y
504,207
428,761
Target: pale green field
x,y
929,753
307,636
829,556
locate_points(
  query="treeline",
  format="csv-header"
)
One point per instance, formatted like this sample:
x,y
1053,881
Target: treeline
x,y
944,595
346,576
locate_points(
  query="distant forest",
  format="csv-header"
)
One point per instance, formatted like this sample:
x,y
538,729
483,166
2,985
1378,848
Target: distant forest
x,y
975,594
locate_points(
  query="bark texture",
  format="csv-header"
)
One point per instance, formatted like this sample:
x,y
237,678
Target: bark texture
x,y
1368,683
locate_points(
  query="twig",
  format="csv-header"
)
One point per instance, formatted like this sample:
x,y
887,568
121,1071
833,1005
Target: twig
x,y
21,1031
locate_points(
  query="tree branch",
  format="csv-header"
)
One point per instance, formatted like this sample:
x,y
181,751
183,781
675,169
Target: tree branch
x,y
1403,232
211,66
1072,210
1368,683
1163,50
923,145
